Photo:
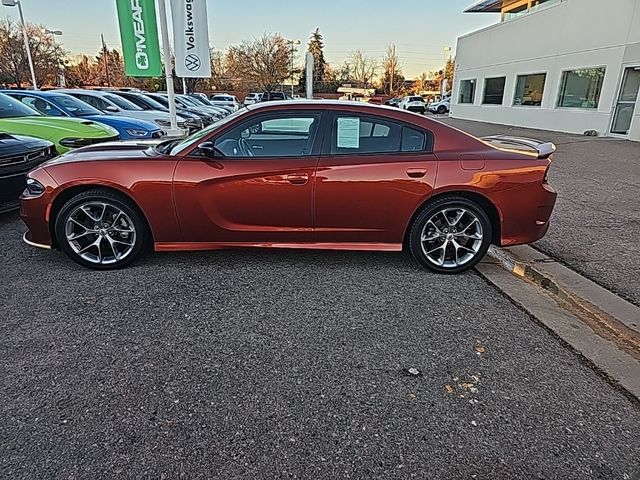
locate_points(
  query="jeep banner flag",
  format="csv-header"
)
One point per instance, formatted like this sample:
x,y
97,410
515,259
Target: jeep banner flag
x,y
139,35
191,38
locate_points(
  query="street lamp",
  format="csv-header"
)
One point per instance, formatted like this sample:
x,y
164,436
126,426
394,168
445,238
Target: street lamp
x,y
13,3
53,34
293,42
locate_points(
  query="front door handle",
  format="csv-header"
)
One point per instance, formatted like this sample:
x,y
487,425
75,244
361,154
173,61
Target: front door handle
x,y
416,172
298,178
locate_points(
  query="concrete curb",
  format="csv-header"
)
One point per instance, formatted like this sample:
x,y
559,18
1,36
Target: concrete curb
x,y
601,326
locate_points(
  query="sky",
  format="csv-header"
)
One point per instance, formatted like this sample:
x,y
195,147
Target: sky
x,y
419,29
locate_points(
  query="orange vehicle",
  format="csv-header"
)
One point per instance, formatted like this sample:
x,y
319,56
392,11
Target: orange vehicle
x,y
302,174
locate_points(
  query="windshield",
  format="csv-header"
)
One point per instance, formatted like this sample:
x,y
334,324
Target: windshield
x,y
75,106
160,99
153,103
121,102
11,108
185,143
201,101
188,100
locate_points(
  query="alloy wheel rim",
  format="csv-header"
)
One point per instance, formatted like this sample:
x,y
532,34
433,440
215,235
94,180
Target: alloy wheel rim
x,y
452,237
100,233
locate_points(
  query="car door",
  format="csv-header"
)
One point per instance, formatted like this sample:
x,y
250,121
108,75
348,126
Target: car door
x,y
258,186
372,176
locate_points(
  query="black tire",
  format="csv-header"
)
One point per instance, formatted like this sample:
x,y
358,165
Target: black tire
x,y
140,232
442,109
480,246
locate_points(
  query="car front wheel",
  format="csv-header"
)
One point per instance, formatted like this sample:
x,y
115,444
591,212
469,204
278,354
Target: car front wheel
x,y
101,229
450,235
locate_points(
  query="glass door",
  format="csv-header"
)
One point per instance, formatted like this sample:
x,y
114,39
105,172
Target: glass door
x,y
626,101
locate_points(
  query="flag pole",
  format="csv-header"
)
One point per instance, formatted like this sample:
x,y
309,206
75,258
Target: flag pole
x,y
166,53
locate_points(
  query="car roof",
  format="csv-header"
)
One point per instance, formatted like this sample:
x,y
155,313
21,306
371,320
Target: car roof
x,y
323,104
97,93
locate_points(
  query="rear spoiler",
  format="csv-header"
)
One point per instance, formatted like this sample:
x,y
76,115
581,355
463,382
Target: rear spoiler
x,y
544,150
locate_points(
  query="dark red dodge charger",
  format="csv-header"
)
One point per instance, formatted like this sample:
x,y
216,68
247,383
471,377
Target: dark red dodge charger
x,y
299,174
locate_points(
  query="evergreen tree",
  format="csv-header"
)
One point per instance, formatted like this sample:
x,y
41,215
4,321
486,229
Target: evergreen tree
x,y
316,48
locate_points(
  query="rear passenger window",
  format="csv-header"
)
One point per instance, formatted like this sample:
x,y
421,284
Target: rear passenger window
x,y
354,134
412,140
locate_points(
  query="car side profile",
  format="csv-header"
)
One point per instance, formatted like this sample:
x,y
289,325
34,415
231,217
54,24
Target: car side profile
x,y
305,174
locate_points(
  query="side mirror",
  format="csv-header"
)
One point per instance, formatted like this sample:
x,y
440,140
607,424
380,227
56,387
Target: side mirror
x,y
208,149
112,109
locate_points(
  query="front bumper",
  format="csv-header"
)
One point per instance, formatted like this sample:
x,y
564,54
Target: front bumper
x,y
35,211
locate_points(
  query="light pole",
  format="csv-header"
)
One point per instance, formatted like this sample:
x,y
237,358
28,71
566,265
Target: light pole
x,y
293,42
13,3
53,34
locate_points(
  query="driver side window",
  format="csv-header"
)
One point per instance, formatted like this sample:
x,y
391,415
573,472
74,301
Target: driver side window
x,y
276,135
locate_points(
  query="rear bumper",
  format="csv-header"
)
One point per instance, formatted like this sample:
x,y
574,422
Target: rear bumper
x,y
527,221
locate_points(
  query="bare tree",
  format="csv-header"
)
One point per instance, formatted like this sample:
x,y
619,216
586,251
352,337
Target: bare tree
x,y
46,53
263,62
392,78
362,68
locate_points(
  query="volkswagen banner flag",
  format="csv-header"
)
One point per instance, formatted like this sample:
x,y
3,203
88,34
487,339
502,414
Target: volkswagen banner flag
x,y
139,35
191,38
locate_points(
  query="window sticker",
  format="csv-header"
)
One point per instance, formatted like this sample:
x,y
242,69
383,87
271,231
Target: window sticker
x,y
348,132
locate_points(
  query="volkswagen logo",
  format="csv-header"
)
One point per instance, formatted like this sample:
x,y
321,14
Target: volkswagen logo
x,y
192,62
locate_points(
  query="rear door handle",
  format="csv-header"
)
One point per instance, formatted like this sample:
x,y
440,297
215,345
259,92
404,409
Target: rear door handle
x,y
416,172
298,178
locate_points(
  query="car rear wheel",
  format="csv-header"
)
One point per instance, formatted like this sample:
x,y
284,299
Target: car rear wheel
x,y
442,109
450,235
101,229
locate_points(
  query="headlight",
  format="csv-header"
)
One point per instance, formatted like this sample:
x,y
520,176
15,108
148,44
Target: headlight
x,y
163,123
74,142
34,188
136,133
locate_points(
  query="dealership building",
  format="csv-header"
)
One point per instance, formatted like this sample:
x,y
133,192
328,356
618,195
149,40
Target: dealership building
x,y
563,65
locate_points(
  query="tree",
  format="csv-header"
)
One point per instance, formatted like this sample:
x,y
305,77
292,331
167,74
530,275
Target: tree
x,y
262,63
80,74
316,48
392,79
47,55
362,69
448,72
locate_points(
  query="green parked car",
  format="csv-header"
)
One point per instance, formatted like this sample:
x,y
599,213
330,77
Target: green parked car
x,y
66,133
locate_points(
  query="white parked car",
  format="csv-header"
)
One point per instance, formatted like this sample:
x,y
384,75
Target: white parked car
x,y
252,98
113,104
441,107
225,100
413,103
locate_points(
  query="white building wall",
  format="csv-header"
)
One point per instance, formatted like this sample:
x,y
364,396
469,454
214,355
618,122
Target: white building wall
x,y
570,35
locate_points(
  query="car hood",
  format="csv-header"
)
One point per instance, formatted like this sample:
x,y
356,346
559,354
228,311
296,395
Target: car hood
x,y
11,145
123,122
127,150
52,127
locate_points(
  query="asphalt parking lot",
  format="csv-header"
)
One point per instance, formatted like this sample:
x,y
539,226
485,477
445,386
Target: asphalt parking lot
x,y
289,364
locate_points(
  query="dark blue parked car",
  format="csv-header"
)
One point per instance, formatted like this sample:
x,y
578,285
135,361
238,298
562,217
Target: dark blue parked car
x,y
57,104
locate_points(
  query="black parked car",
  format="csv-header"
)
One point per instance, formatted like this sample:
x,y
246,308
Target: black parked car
x,y
19,155
272,96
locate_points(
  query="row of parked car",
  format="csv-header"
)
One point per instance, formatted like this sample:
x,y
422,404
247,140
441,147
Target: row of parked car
x,y
416,103
38,125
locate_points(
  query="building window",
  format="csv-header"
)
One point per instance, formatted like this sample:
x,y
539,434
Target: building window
x,y
581,88
529,90
467,91
494,91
